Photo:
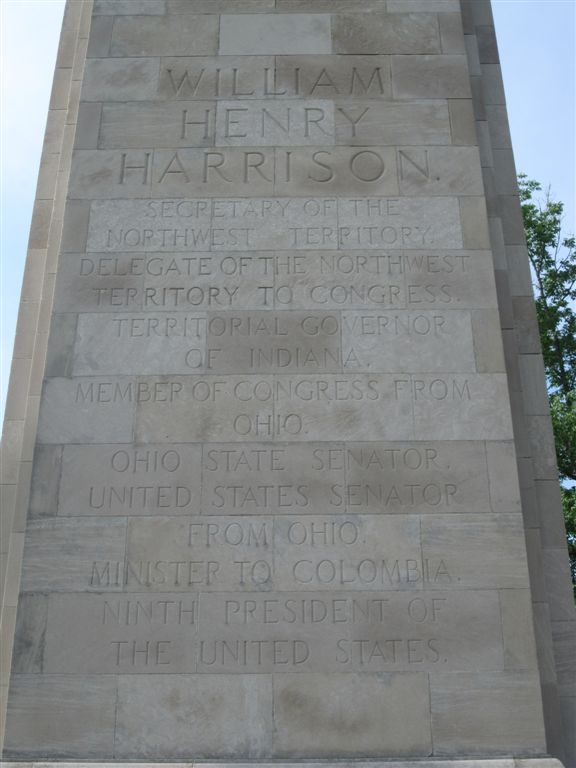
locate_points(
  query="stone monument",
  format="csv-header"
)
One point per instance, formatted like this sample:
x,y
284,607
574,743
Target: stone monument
x,y
279,475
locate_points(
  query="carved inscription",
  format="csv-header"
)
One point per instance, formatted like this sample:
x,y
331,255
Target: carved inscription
x,y
264,224
276,411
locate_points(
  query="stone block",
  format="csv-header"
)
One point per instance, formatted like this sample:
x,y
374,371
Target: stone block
x,y
341,407
331,77
568,713
369,553
336,632
125,480
88,126
458,406
283,479
502,471
40,227
498,126
120,79
99,282
381,33
30,633
471,45
526,323
17,396
45,481
485,145
168,553
427,342
100,36
70,716
487,550
329,715
467,706
392,123
122,634
440,171
89,410
129,7
492,85
533,380
188,712
436,278
541,439
274,123
487,45
365,171
73,555
553,719
430,77
217,77
329,6
519,270
556,568
220,6
517,629
285,342
553,530
451,33
185,35
426,6
61,347
157,124
462,123
488,348
275,34
129,344
475,231
75,227
12,579
563,633
406,223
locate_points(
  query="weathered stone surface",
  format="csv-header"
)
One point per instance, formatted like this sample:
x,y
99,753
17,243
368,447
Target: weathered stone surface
x,y
345,714
67,402
275,509
65,555
71,716
379,33
165,36
465,706
476,547
188,711
429,77
275,34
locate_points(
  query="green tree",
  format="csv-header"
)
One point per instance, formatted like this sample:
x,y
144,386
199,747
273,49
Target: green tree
x,y
553,262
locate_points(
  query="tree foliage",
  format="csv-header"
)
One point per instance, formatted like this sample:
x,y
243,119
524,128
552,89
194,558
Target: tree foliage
x,y
553,262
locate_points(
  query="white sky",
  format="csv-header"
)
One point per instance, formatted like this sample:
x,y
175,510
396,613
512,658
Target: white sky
x,y
536,39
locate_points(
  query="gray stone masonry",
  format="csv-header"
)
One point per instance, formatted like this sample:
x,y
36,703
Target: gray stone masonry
x,y
280,488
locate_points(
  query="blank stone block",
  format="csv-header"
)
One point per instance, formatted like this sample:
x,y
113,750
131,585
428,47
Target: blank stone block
x,y
380,33
271,34
465,706
323,715
187,713
165,36
70,715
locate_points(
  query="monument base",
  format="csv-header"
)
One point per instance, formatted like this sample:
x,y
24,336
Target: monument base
x,y
476,762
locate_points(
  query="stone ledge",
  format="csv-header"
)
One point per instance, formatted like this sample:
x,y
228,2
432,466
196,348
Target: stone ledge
x,y
477,762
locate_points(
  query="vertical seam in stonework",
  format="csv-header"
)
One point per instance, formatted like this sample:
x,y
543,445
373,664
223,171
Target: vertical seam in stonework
x,y
488,476
117,677
428,676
